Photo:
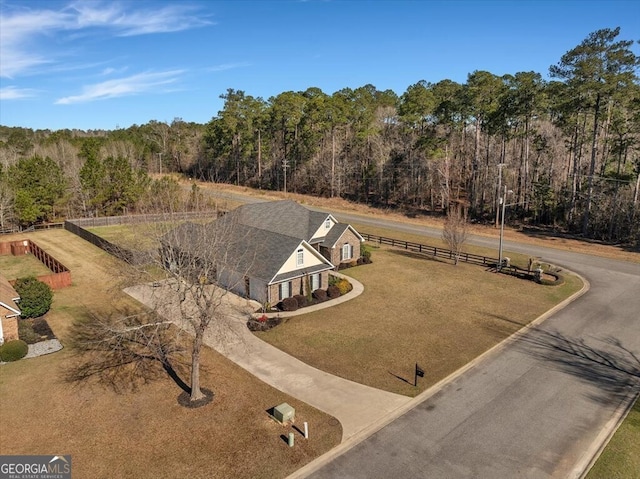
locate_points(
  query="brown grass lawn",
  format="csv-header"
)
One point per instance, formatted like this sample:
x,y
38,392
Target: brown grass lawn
x,y
13,267
414,309
145,433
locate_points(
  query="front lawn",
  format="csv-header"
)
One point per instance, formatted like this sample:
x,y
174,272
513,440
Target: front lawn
x,y
414,310
146,433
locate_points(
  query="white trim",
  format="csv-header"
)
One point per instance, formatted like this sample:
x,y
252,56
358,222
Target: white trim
x,y
17,311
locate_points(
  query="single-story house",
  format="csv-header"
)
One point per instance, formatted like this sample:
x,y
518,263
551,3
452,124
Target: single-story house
x,y
9,311
264,251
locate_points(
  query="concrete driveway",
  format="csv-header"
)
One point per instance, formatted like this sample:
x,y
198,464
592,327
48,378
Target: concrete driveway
x,y
359,408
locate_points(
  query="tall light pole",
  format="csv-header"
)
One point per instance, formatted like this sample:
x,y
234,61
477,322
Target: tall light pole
x,y
500,165
503,202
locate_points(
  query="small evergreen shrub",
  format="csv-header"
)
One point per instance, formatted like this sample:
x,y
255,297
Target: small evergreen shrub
x,y
35,296
320,295
301,300
333,292
344,286
365,255
13,350
289,304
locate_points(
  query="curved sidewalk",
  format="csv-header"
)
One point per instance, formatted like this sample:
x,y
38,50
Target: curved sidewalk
x,y
356,406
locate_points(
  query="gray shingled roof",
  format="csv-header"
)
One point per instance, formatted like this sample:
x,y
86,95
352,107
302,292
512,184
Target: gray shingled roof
x,y
255,251
284,217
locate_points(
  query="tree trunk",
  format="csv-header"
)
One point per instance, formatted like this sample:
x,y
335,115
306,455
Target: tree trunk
x,y
592,166
196,392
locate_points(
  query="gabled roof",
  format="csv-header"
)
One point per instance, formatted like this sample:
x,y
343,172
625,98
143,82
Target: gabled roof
x,y
336,233
258,252
284,217
8,298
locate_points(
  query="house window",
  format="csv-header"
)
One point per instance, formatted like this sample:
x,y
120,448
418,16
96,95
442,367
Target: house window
x,y
347,252
327,224
285,290
316,281
300,257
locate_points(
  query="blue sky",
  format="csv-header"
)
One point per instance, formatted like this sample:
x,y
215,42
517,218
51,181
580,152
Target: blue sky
x,y
110,64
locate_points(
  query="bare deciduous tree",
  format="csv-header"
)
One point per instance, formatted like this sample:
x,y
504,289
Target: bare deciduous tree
x,y
455,232
185,277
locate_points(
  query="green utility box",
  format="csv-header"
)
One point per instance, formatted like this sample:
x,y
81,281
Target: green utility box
x,y
284,413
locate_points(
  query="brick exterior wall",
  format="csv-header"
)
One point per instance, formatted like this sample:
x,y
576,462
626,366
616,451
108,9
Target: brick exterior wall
x,y
333,255
295,287
10,328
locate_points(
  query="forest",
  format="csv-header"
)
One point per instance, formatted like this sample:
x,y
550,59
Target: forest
x,y
563,153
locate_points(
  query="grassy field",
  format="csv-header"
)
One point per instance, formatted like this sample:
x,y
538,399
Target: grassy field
x,y
144,433
414,309
621,457
13,267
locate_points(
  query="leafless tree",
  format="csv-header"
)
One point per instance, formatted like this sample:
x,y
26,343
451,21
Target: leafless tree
x,y
455,231
185,277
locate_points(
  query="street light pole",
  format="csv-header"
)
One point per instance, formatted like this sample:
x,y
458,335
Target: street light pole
x,y
503,201
500,165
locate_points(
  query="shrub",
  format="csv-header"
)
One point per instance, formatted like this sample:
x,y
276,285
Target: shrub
x,y
301,300
35,297
333,292
344,286
13,350
289,304
320,295
365,254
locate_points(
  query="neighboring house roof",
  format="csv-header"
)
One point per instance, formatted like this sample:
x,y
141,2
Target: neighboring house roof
x,y
8,299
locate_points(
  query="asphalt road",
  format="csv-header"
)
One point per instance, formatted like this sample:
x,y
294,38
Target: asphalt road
x,y
538,408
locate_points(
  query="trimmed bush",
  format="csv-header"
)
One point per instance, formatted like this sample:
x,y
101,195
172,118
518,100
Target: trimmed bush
x,y
13,350
289,304
35,296
302,300
320,295
333,292
365,255
344,286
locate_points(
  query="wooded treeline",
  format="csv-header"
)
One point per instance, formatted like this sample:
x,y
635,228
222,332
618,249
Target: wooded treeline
x,y
566,151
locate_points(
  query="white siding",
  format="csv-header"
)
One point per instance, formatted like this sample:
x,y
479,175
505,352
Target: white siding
x,y
322,231
310,259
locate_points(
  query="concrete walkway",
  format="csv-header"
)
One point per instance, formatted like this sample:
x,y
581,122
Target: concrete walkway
x,y
360,409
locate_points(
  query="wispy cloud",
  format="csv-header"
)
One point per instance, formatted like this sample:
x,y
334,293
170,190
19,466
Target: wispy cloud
x,y
170,18
14,93
227,66
23,28
140,83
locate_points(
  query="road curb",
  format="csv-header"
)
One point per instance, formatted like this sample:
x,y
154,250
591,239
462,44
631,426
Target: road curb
x,y
601,441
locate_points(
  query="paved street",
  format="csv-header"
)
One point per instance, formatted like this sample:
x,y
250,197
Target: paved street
x,y
537,408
